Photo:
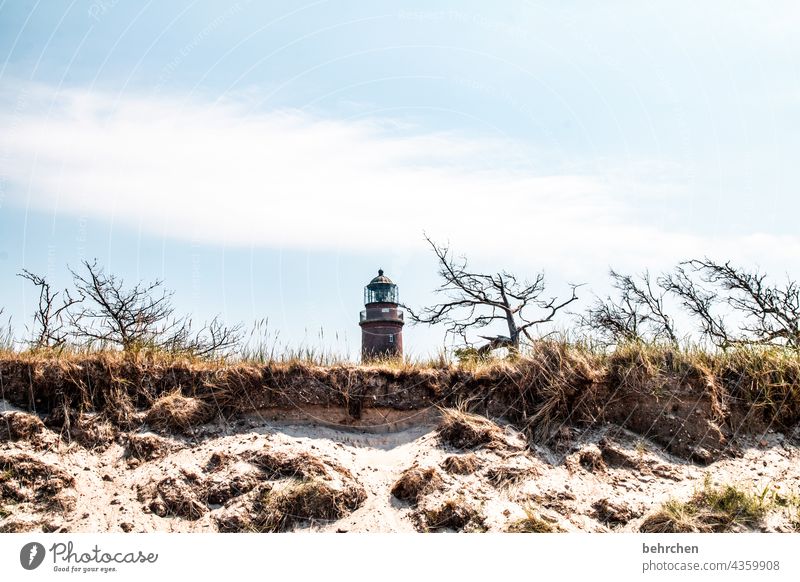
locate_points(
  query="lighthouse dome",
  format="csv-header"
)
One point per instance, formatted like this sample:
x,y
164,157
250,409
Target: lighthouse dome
x,y
381,278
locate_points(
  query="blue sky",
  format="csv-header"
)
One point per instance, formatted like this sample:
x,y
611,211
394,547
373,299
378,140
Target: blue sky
x,y
265,158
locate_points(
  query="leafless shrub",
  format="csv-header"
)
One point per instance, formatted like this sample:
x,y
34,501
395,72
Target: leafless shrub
x,y
140,316
127,317
637,314
213,339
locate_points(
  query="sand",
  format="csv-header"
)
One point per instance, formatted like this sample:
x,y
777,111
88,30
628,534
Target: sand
x,y
604,479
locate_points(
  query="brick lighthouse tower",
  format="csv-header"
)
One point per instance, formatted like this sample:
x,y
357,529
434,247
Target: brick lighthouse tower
x,y
382,321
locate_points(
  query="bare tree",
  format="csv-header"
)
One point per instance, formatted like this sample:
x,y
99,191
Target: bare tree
x,y
700,303
141,316
50,329
770,314
476,300
637,314
111,314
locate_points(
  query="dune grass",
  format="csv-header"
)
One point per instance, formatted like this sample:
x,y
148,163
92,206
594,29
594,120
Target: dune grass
x,y
721,508
550,384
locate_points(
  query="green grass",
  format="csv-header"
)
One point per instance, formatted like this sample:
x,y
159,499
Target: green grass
x,y
730,505
717,509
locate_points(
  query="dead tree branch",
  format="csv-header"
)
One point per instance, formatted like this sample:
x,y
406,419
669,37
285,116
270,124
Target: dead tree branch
x,y
638,314
49,326
213,339
769,314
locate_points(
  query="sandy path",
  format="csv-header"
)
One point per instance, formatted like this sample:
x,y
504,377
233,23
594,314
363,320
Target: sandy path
x,y
377,462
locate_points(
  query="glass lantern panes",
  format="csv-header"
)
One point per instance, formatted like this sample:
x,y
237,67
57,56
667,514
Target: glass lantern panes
x,y
381,293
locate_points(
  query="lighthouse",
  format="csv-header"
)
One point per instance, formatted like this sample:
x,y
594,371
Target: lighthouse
x,y
381,321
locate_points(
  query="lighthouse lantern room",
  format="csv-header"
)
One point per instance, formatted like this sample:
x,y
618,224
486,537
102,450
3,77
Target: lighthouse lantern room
x,y
382,320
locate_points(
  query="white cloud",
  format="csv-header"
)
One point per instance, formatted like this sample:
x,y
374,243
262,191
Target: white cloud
x,y
223,174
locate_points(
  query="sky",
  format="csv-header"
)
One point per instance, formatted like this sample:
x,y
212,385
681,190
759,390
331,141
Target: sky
x,y
264,159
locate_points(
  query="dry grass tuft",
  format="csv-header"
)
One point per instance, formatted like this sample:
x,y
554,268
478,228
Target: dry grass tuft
x,y
20,426
533,522
557,379
115,401
461,464
764,382
612,513
464,430
227,487
731,506
180,498
309,500
147,446
177,412
455,513
217,461
280,507
615,456
794,520
25,479
93,432
286,490
508,475
302,465
416,482
22,475
590,457
675,517
18,525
